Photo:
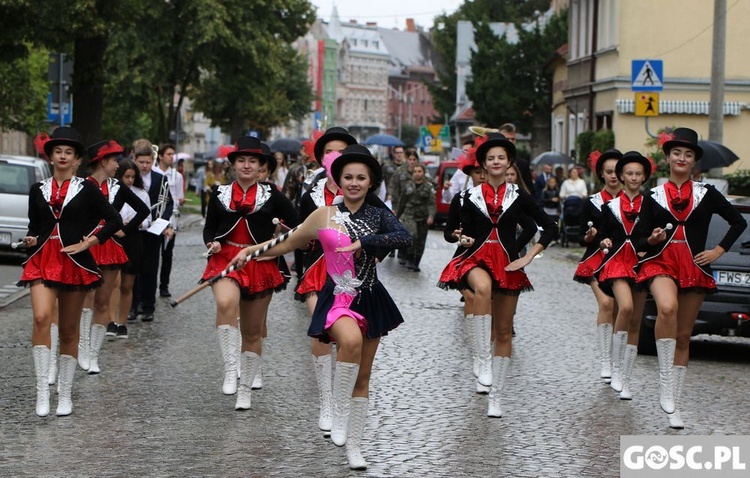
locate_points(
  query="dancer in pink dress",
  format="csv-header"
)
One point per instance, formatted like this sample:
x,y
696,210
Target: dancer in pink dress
x,y
354,309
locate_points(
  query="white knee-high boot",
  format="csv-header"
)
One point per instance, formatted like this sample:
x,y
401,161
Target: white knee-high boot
x,y
604,346
322,366
357,419
229,345
665,352
249,362
64,398
41,367
675,419
344,379
54,335
619,341
84,337
482,332
628,362
499,373
97,337
473,344
258,379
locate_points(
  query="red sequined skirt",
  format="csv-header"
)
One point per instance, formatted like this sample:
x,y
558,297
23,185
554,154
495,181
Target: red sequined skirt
x,y
491,257
585,270
109,255
256,277
620,266
313,279
56,269
676,261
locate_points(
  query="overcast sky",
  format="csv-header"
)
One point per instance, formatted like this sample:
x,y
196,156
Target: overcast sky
x,y
387,13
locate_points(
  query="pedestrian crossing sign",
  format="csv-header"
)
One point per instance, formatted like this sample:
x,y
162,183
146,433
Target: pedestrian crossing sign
x,y
647,75
646,104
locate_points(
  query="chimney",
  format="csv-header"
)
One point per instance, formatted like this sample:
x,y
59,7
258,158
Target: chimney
x,y
410,27
353,21
372,24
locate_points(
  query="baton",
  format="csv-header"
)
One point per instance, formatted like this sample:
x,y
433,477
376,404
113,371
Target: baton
x,y
230,269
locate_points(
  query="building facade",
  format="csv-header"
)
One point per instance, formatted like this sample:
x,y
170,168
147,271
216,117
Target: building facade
x,y
605,36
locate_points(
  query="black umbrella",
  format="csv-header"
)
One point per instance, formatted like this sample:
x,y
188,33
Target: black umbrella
x,y
715,155
552,158
286,146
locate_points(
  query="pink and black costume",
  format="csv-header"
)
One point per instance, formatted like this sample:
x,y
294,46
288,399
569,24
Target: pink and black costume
x,y
352,287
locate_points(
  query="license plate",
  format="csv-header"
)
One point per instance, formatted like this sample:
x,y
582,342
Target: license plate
x,y
5,238
740,279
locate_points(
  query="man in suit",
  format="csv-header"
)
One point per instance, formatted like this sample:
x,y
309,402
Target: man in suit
x,y
157,186
541,181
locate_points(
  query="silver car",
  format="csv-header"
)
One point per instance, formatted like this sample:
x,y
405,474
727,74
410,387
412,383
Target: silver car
x,y
17,175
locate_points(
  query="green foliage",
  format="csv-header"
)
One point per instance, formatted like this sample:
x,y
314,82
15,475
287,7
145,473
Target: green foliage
x,y
510,82
23,91
137,61
585,145
603,140
444,40
409,135
739,183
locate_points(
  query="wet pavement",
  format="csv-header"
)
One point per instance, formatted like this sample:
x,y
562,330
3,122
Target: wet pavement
x,y
157,408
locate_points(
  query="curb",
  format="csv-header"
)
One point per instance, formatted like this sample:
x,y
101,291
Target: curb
x,y
19,294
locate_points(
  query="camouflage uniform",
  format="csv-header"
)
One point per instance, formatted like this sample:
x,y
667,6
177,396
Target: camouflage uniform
x,y
416,205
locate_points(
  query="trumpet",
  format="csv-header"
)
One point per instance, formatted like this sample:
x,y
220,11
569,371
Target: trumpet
x,y
482,131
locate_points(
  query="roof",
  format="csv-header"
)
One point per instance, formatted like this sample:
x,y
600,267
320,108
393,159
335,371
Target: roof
x,y
407,48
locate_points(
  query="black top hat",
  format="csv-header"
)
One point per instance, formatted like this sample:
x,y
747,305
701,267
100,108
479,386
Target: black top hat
x,y
683,137
248,146
98,151
608,154
633,157
270,159
332,134
65,135
357,153
493,140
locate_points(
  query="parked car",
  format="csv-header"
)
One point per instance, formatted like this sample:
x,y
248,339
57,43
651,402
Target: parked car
x,y
17,175
727,312
443,172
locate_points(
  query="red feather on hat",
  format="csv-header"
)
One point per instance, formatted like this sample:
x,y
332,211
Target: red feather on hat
x,y
224,150
654,167
664,137
39,142
593,158
110,149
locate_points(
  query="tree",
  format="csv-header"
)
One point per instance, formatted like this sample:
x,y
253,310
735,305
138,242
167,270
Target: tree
x,y
23,91
510,81
444,39
410,135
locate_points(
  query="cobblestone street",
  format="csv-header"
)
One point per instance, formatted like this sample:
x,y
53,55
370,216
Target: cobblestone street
x,y
157,408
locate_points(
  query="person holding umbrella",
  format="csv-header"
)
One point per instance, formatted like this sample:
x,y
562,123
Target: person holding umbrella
x,y
673,227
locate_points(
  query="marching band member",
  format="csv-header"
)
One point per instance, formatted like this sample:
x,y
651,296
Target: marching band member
x,y
616,275
110,255
605,165
241,214
672,229
327,148
63,210
491,267
353,308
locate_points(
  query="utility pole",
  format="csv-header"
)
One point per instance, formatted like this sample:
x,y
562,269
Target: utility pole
x,y
718,56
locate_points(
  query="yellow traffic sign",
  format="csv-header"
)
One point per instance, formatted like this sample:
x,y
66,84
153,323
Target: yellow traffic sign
x,y
646,104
